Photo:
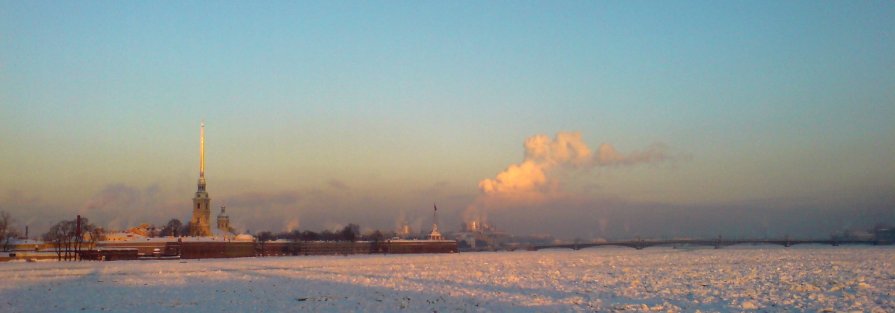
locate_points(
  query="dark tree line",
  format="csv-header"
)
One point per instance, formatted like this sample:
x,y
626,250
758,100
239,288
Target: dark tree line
x,y
69,240
174,228
350,232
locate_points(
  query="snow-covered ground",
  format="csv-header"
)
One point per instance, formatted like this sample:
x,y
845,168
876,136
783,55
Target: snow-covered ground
x,y
600,279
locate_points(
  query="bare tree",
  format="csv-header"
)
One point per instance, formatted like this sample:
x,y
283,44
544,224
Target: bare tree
x,y
59,235
7,233
264,237
294,245
96,234
173,228
350,232
185,229
374,236
309,236
67,238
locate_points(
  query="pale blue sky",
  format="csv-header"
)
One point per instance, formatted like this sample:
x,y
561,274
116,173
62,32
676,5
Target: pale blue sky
x,y
757,100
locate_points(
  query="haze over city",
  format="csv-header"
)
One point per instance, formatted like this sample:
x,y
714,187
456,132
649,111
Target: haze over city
x,y
575,119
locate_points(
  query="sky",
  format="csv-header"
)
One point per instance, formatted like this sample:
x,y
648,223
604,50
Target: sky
x,y
584,119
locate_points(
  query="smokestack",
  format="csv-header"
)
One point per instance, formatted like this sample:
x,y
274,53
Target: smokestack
x,y
78,229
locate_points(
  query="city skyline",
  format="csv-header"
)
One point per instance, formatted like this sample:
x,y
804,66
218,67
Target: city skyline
x,y
659,119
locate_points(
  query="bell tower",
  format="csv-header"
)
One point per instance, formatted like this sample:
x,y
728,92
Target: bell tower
x,y
201,202
223,221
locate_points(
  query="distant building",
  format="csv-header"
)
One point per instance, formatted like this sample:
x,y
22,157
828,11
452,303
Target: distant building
x,y
224,221
142,230
477,234
199,224
435,234
405,232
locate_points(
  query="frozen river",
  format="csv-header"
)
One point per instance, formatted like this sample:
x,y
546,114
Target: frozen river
x,y
599,279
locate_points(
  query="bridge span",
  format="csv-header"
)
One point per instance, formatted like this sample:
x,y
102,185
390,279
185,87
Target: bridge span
x,y
716,243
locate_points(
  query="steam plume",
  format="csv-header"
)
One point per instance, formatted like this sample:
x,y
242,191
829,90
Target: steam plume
x,y
534,178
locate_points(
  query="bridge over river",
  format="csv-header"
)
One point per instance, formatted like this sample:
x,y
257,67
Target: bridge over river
x,y
716,243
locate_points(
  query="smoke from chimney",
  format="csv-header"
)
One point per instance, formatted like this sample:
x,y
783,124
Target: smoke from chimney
x,y
535,179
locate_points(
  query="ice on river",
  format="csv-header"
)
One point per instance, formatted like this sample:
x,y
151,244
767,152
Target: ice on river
x,y
598,279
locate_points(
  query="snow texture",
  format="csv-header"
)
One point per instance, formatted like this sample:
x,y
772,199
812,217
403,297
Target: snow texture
x,y
815,279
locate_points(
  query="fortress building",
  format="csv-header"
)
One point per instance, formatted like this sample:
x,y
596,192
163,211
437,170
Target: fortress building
x,y
199,224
